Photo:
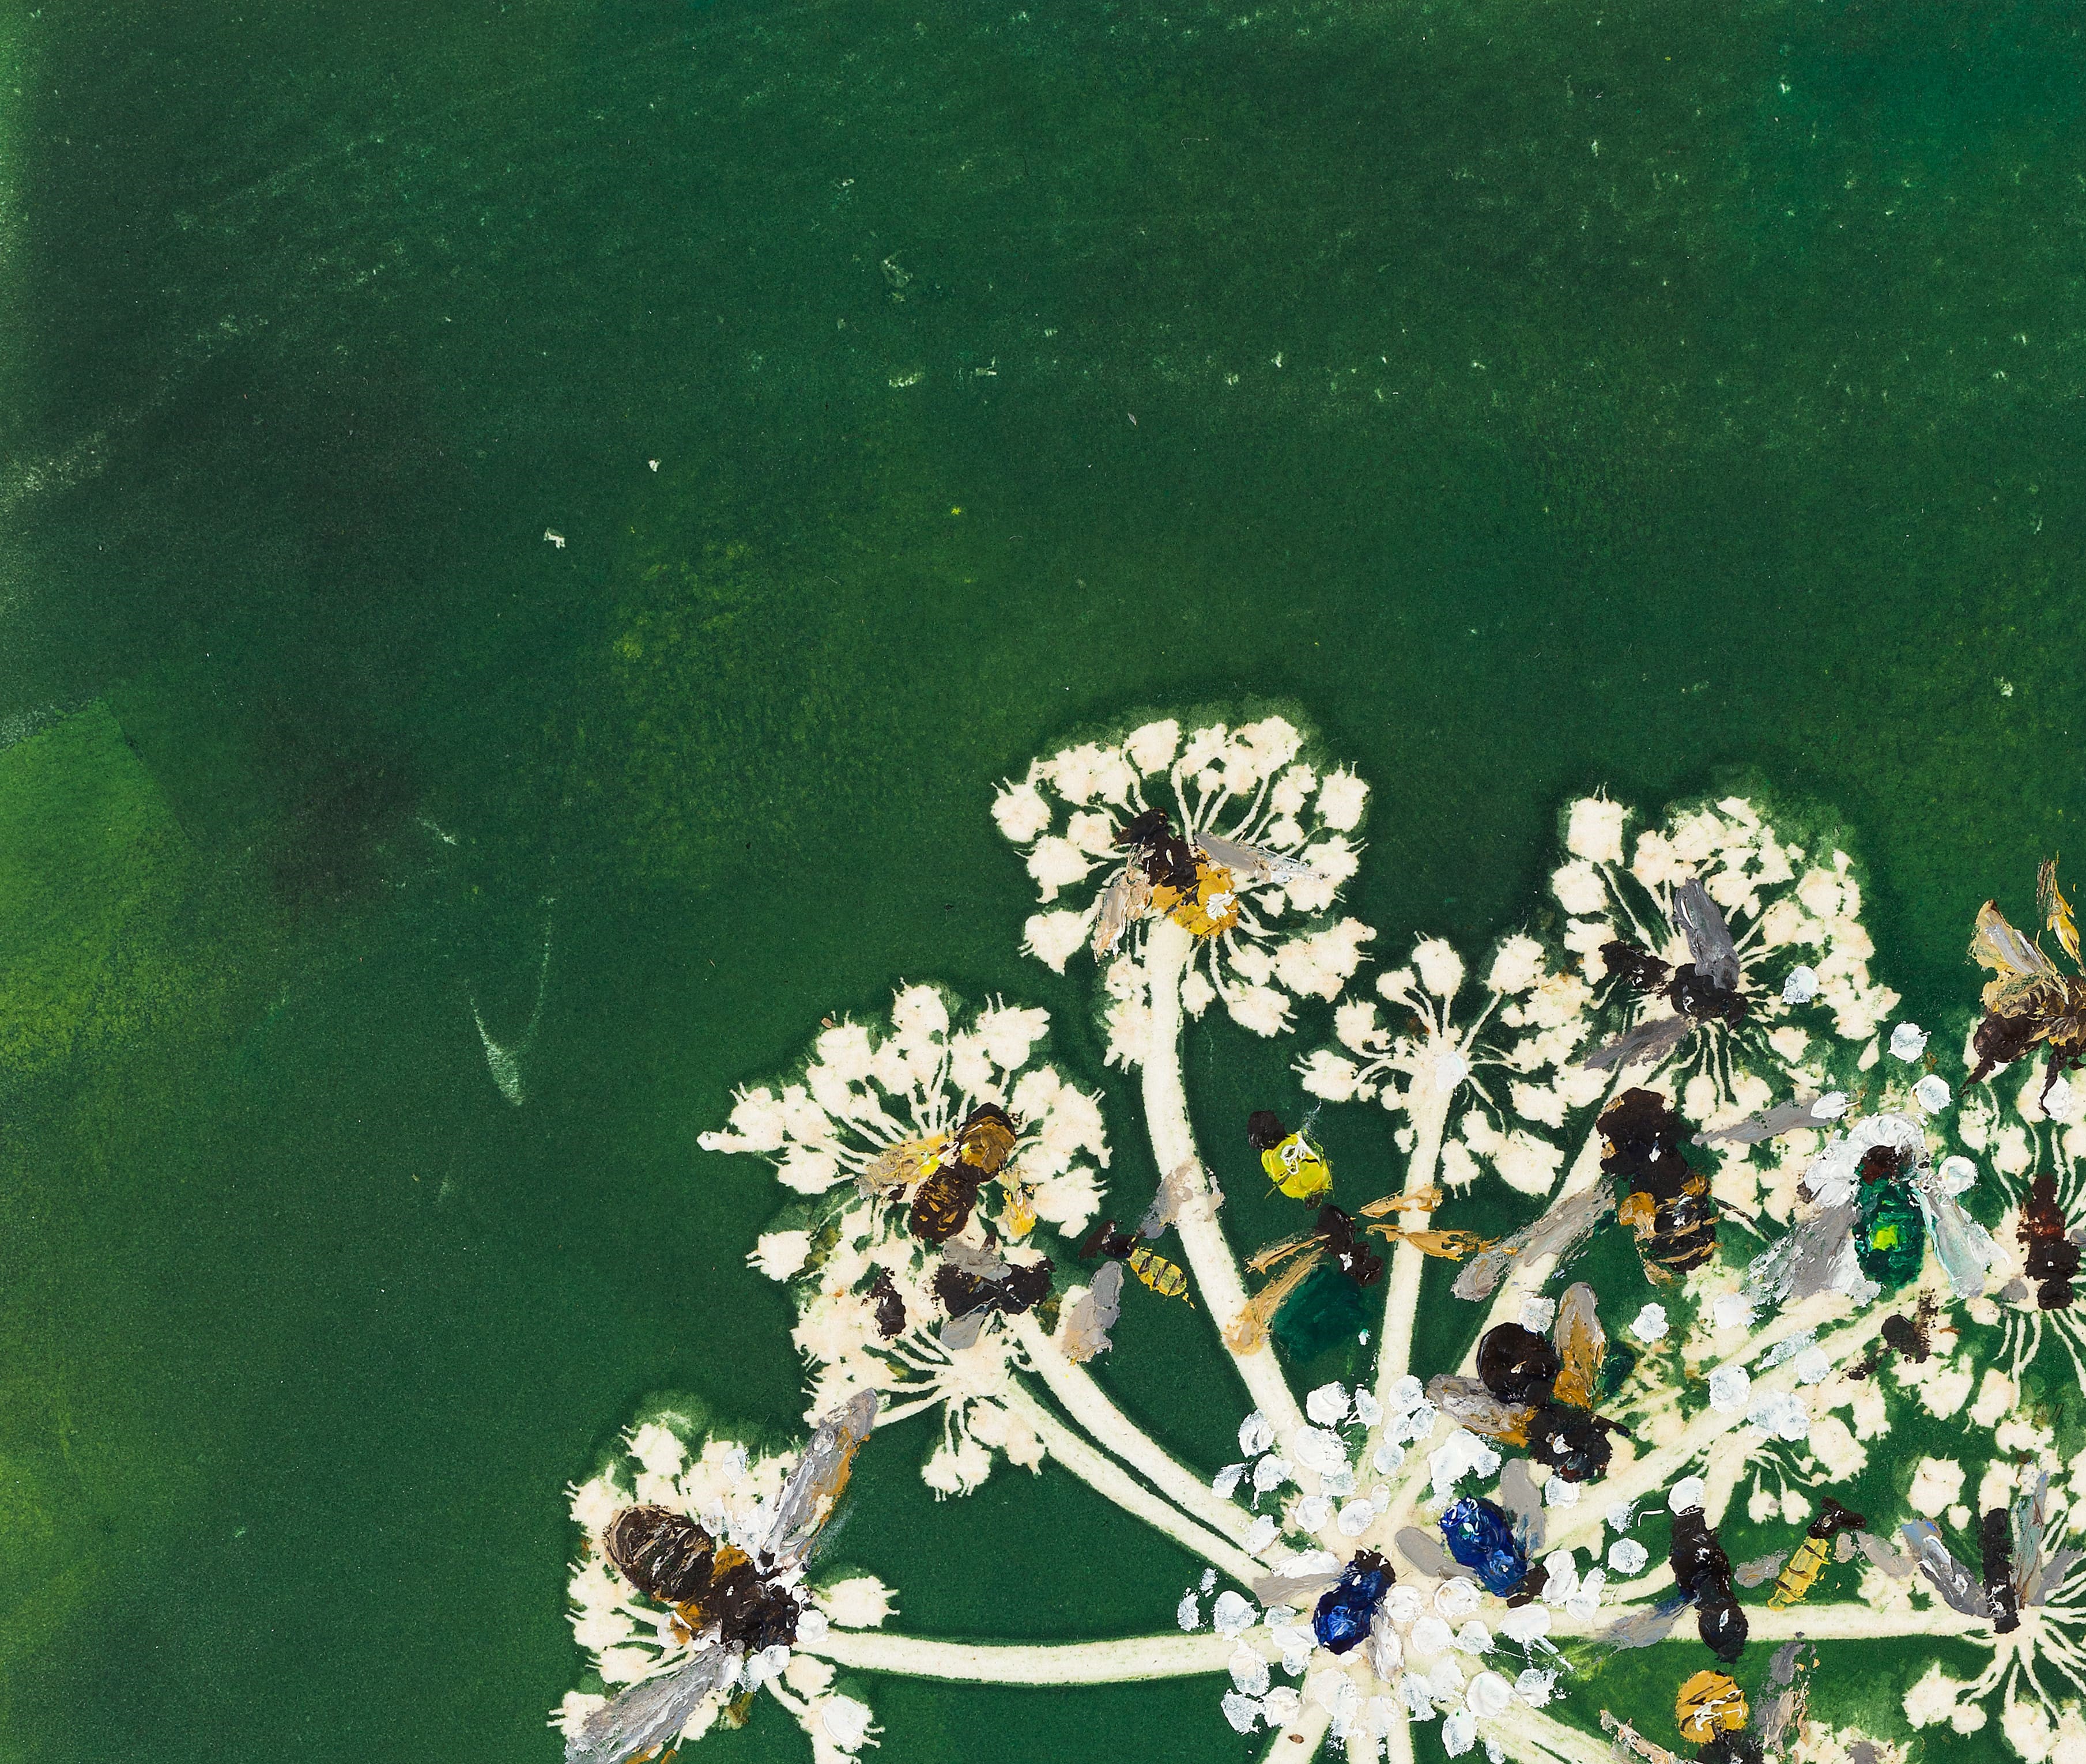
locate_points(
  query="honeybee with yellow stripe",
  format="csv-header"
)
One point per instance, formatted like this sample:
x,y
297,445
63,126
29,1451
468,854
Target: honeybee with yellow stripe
x,y
1163,1276
1294,1162
1709,1703
1193,879
1808,1561
945,1171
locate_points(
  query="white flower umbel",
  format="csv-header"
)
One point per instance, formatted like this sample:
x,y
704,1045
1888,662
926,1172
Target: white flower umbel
x,y
1731,1400
1258,784
671,1459
855,1267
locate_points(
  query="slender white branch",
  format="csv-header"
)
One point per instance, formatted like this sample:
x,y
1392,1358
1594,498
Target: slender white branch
x,y
1107,1478
1089,1405
1397,1744
1166,948
1533,1738
995,1662
1300,1741
1401,1304
1837,1619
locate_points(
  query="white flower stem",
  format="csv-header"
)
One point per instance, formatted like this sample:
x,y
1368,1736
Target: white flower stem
x,y
1401,1304
1166,948
1532,1738
994,1663
1086,1402
1839,1620
1108,1478
1301,1739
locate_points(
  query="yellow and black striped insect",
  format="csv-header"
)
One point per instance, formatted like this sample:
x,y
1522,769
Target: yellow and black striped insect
x,y
1808,1561
1163,1276
1709,1703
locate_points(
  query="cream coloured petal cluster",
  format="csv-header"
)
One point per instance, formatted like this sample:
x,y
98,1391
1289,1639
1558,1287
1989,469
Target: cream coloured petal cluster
x,y
869,1315
1257,784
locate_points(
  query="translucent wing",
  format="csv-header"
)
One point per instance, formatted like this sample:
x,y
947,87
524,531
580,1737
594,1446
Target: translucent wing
x,y
2056,909
1520,1496
1807,1260
1964,1247
1995,944
814,1489
1085,1330
1648,1626
898,1164
1123,902
1647,1042
1770,1123
1177,1188
1247,1333
1962,1589
1761,1570
652,1712
1563,1229
1467,1402
1253,863
1423,1551
1709,945
1879,1550
1582,1345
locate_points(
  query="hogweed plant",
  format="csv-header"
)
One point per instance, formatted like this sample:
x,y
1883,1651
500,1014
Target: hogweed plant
x,y
1816,1350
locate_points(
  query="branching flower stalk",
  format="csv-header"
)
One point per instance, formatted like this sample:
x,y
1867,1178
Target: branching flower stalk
x,y
1735,1403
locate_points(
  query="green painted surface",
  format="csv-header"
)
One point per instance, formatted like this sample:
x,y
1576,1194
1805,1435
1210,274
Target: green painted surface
x,y
1541,395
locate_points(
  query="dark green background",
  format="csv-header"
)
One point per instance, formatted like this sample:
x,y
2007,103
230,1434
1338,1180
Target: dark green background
x,y
1540,394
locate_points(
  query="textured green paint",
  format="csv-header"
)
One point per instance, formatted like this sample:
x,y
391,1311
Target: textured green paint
x,y
1542,395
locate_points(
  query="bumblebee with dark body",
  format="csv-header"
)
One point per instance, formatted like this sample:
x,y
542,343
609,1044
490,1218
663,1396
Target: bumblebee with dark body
x,y
1702,1573
2029,1001
1190,881
2052,1259
1538,1394
976,1152
1666,1204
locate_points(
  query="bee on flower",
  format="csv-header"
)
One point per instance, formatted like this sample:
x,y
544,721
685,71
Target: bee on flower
x,y
930,1148
1236,840
690,1594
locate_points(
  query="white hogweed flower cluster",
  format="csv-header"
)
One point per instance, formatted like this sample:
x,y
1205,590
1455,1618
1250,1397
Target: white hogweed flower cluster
x,y
869,1316
670,1459
1254,785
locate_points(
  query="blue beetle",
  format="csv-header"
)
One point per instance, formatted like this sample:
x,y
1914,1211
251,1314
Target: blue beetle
x,y
1480,1537
1343,1619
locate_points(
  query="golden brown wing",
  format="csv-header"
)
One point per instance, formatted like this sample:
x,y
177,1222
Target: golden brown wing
x,y
1582,1345
1247,1333
2056,909
1425,1201
1467,1402
1269,1254
1995,944
1450,1246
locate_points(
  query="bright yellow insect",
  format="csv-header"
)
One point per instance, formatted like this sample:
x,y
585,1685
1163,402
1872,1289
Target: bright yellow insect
x,y
1812,1553
1708,1702
1293,1163
1160,1275
1211,910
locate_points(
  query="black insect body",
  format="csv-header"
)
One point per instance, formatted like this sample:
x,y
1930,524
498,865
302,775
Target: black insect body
x,y
1667,1204
1706,989
1169,860
888,1305
1910,1338
1995,1543
1350,1252
1702,1572
963,1290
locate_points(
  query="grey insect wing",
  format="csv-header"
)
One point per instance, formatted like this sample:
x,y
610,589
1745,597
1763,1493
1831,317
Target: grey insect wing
x,y
1962,1590
1963,1246
1085,1330
1122,901
651,1712
1467,1402
1645,1628
1568,1224
807,1500
1808,1261
1715,956
1645,1043
1255,863
1770,1123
